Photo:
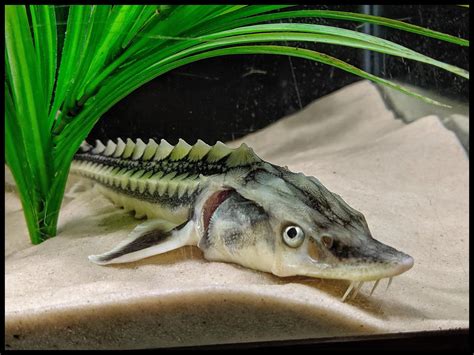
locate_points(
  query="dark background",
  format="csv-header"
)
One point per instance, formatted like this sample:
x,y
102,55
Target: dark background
x,y
228,97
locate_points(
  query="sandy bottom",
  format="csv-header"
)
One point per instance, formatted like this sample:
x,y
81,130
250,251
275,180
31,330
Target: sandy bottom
x,y
410,181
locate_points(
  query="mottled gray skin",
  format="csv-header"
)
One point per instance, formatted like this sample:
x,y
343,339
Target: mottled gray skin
x,y
243,210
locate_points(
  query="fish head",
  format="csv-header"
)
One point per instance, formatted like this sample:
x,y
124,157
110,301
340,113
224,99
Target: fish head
x,y
289,224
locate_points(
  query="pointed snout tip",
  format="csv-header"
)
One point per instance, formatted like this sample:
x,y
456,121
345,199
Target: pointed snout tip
x,y
406,263
409,261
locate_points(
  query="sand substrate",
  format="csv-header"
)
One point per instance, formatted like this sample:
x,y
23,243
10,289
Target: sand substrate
x,y
410,181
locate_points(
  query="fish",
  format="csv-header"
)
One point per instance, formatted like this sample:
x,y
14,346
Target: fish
x,y
236,208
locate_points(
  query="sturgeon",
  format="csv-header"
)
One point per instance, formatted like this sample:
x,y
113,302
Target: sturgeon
x,y
236,208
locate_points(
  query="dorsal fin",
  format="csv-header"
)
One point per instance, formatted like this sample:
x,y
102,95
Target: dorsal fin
x,y
234,157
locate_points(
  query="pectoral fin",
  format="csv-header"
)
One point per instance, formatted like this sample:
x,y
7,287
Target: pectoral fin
x,y
147,239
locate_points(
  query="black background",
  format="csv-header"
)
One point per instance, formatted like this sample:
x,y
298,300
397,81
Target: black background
x,y
226,98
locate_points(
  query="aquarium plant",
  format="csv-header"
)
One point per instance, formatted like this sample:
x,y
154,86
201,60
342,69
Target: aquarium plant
x,y
61,76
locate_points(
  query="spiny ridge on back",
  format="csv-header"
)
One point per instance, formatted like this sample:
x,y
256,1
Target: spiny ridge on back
x,y
152,151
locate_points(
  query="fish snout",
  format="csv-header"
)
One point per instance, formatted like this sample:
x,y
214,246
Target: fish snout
x,y
396,261
404,263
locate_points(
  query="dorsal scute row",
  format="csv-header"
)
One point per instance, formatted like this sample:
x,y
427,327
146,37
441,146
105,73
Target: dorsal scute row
x,y
139,150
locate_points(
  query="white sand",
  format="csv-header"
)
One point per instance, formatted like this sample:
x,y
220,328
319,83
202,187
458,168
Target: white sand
x,y
410,181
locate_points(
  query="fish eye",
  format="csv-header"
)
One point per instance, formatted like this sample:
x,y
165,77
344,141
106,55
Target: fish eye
x,y
293,236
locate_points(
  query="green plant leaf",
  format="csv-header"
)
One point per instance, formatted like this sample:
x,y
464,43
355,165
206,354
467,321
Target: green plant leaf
x,y
319,34
337,36
45,38
28,99
169,29
227,20
15,155
119,22
96,28
336,15
76,33
143,18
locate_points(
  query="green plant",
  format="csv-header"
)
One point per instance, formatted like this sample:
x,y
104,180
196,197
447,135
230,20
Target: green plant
x,y
55,91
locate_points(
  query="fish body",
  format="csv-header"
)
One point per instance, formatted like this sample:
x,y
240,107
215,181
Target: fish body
x,y
236,208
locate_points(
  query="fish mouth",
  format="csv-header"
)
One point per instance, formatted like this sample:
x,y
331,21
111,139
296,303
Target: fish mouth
x,y
212,203
360,274
368,262
356,285
381,262
360,271
377,274
377,270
